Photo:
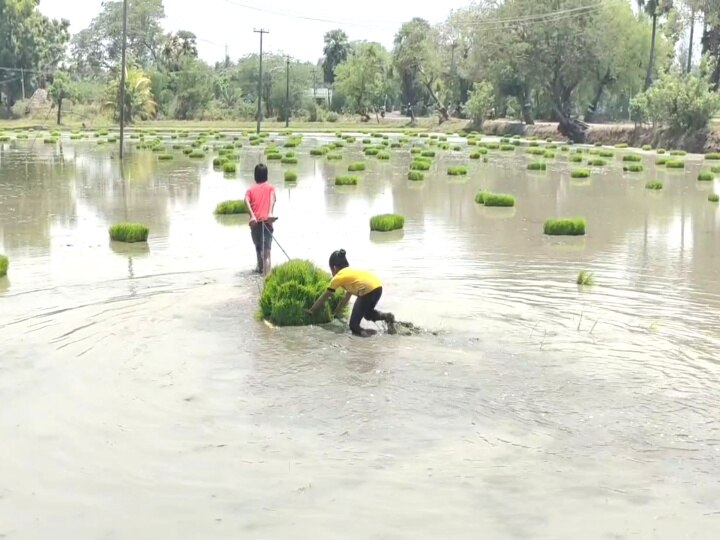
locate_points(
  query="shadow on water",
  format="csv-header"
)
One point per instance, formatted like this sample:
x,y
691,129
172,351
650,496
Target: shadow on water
x,y
386,237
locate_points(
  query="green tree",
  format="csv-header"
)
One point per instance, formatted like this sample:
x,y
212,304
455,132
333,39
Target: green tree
x,y
335,52
192,87
62,88
139,101
365,78
178,48
29,41
480,102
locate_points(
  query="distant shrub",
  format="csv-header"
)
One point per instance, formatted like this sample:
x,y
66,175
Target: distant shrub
x,y
129,232
291,176
457,170
706,176
537,166
331,117
416,176
347,180
387,222
565,227
580,173
660,151
633,167
498,199
654,184
227,208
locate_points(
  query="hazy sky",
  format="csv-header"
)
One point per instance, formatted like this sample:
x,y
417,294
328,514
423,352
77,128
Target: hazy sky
x,y
231,22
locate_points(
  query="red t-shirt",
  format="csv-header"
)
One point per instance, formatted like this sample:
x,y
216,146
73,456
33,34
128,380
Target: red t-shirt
x,y
260,198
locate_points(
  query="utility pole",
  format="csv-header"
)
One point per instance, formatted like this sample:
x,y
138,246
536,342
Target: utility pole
x,y
123,68
287,93
314,83
260,79
22,81
692,37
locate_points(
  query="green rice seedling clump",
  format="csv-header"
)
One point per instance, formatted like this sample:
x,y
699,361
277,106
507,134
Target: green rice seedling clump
x,y
334,156
428,153
647,147
580,173
129,232
228,208
621,145
661,161
457,170
507,148
706,176
715,169
356,166
660,150
291,160
187,151
549,155
537,166
535,151
291,176
604,153
419,165
480,197
4,265
654,184
383,155
291,289
585,278
229,167
197,154
498,199
597,162
678,153
165,157
494,146
575,158
675,164
416,176
633,167
712,156
631,158
319,151
371,151
387,222
275,156
713,197
565,227
346,180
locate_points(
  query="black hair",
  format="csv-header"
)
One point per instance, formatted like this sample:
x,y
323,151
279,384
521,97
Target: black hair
x,y
261,173
339,259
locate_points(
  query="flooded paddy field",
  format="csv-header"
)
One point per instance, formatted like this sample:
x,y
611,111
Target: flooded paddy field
x,y
142,398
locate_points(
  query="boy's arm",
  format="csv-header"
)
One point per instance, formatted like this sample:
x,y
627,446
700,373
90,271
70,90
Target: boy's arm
x,y
273,200
253,219
317,306
342,305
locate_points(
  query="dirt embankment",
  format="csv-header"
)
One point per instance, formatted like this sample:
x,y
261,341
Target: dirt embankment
x,y
611,134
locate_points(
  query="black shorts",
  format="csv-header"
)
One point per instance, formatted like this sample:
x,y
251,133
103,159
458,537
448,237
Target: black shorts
x,y
262,236
364,308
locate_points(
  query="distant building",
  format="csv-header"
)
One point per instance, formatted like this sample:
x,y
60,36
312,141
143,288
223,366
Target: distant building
x,y
321,95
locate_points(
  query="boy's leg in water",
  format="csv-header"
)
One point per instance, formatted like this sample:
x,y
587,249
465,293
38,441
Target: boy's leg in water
x,y
256,233
356,316
267,235
374,315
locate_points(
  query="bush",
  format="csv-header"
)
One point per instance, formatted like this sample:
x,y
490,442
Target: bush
x,y
713,197
129,232
356,166
597,162
197,154
681,102
229,167
347,180
165,157
498,199
655,184
331,117
291,289
4,264
457,170
585,278
291,176
291,160
537,166
227,208
633,167
675,164
387,222
480,197
706,176
631,158
565,227
580,173
418,165
416,176
575,158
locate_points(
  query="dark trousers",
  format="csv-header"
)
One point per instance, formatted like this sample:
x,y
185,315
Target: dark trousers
x,y
365,309
262,237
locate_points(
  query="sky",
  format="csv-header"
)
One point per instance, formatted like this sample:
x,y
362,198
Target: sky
x,y
218,23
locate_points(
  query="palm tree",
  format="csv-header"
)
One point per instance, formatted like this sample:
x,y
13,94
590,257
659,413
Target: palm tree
x,y
139,100
655,9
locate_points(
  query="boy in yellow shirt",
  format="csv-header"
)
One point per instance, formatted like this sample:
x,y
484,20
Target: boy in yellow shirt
x,y
365,285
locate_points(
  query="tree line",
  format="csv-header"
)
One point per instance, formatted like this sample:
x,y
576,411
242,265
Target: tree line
x,y
565,60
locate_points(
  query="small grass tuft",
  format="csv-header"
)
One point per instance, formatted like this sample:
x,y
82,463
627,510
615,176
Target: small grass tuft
x,y
565,227
387,222
457,170
507,147
289,160
420,165
575,158
660,151
498,199
713,197
585,278
228,208
647,147
678,153
633,167
165,157
580,173
706,176
197,154
229,167
675,164
356,166
712,156
631,158
383,155
597,162
480,197
346,180
4,264
291,176
129,232
537,166
334,156
416,176
655,185
621,145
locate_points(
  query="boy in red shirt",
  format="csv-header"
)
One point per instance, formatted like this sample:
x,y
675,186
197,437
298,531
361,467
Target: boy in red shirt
x,y
260,201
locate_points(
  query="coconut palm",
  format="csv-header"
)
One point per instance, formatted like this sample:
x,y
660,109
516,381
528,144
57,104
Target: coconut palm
x,y
655,9
139,100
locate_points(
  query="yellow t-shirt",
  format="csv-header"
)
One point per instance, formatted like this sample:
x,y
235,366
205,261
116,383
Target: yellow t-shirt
x,y
357,282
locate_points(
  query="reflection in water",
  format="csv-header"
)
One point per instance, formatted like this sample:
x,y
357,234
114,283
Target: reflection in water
x,y
139,375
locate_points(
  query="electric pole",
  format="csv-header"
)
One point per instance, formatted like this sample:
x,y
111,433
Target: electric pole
x,y
22,81
122,78
260,79
692,38
314,83
287,93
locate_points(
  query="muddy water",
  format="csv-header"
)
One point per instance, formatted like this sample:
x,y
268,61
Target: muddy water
x,y
141,398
